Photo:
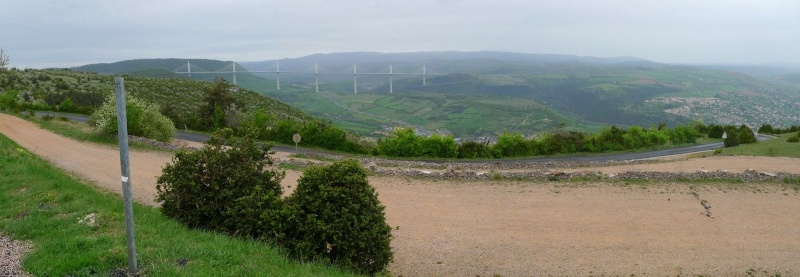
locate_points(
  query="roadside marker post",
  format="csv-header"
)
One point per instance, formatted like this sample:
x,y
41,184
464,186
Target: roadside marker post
x,y
296,139
124,158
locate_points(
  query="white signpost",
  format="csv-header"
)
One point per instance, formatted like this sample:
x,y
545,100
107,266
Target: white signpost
x,y
296,138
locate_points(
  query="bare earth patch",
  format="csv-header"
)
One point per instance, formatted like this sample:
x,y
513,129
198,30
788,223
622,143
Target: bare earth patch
x,y
471,228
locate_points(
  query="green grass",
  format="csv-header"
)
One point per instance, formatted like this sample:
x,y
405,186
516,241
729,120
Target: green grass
x,y
777,147
290,166
42,204
462,115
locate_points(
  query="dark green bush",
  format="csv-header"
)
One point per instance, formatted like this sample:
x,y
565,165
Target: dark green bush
x,y
437,146
334,216
715,131
473,150
746,135
766,129
512,145
314,133
221,187
561,143
403,143
793,139
732,140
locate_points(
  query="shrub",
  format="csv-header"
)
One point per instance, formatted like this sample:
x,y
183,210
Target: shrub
x,y
219,187
635,138
437,146
403,143
144,119
8,100
334,216
732,140
766,129
657,137
793,139
511,145
746,135
683,134
217,100
473,150
715,131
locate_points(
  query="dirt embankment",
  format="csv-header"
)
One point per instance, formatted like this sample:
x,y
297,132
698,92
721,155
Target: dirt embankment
x,y
482,228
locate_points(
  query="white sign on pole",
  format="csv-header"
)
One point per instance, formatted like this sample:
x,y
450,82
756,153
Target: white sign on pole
x,y
296,138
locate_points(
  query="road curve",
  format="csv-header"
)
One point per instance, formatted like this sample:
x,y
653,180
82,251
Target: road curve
x,y
581,158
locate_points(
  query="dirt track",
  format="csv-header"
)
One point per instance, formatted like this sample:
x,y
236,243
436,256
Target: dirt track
x,y
458,228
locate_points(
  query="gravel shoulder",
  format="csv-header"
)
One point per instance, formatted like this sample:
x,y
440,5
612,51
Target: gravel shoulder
x,y
517,228
11,254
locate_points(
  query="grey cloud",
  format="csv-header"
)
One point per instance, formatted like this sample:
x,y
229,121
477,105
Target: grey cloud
x,y
58,33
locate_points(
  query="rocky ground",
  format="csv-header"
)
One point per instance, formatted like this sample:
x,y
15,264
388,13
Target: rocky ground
x,y
11,254
718,216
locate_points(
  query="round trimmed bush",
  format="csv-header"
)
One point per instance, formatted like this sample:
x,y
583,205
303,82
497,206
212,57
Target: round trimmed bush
x,y
334,216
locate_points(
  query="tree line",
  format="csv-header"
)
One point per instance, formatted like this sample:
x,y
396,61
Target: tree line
x,y
404,142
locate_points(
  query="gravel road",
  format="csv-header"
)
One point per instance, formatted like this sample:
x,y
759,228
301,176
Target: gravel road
x,y
510,228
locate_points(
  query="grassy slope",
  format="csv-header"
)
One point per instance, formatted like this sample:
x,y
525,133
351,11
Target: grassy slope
x,y
462,115
777,147
43,205
183,94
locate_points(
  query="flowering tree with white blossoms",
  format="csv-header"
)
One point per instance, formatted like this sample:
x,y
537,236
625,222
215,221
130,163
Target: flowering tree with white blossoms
x,y
144,119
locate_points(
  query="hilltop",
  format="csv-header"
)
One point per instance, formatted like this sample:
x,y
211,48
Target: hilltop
x,y
167,68
178,97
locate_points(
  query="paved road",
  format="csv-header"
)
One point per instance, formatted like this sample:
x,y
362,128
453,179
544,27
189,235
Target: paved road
x,y
584,158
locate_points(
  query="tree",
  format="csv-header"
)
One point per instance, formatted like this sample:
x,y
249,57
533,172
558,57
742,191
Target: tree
x,y
218,98
715,131
3,59
766,129
746,135
733,136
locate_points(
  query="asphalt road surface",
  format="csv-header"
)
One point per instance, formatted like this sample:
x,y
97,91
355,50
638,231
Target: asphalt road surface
x,y
582,158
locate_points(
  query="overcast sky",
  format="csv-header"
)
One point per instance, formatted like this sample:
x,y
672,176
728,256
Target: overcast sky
x,y
38,34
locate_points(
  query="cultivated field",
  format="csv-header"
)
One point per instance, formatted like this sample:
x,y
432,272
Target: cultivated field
x,y
519,228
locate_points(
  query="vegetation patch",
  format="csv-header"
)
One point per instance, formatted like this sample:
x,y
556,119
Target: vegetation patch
x,y
38,198
333,216
778,147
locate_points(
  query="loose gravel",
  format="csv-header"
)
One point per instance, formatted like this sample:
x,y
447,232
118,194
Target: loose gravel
x,y
11,254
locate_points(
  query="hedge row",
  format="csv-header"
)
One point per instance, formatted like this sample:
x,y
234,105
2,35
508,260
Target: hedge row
x,y
405,143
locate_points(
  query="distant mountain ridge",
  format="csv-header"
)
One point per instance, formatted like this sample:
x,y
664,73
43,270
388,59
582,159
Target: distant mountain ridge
x,y
757,70
368,58
169,64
